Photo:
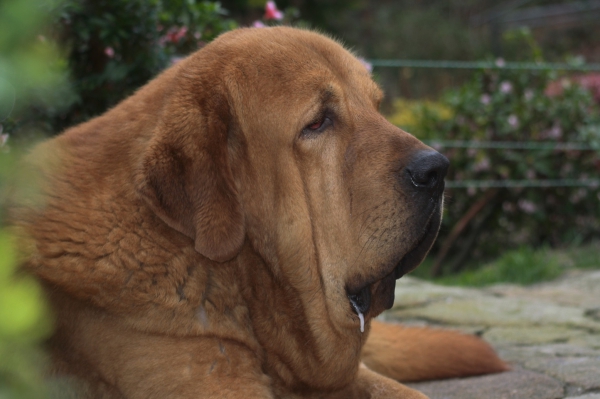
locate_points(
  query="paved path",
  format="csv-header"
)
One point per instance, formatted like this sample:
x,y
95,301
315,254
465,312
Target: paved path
x,y
549,333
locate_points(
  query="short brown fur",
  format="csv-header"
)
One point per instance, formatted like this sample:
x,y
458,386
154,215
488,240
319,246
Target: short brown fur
x,y
198,241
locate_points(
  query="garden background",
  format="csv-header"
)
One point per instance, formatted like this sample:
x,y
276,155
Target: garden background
x,y
509,91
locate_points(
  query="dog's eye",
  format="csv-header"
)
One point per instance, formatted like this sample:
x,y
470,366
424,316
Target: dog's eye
x,y
315,125
318,126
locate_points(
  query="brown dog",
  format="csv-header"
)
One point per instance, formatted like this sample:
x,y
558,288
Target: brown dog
x,y
231,229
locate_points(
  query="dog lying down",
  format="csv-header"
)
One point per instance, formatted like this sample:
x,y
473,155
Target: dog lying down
x,y
232,229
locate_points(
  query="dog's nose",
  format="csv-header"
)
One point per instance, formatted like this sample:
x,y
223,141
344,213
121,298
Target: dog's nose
x,y
426,171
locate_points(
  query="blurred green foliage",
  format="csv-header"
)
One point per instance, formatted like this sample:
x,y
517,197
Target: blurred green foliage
x,y
24,322
106,49
523,265
31,70
21,312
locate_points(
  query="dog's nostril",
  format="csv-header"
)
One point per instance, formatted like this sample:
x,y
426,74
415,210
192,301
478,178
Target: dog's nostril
x,y
427,170
430,179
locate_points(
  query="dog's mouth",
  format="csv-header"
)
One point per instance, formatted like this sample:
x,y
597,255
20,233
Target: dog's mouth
x,y
361,303
377,295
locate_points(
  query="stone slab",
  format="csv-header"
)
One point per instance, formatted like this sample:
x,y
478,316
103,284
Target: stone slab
x,y
412,292
549,333
492,311
531,335
516,384
583,372
576,288
521,354
590,340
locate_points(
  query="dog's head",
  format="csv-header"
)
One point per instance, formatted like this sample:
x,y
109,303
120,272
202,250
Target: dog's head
x,y
274,139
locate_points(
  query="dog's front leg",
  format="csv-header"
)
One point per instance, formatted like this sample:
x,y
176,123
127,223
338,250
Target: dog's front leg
x,y
195,368
121,363
369,384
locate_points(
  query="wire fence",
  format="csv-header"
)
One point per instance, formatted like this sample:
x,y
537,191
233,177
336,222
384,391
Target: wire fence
x,y
504,145
513,145
529,183
593,183
498,64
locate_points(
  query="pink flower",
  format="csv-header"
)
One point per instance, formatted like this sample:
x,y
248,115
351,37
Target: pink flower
x,y
271,11
500,63
110,52
555,132
485,99
258,24
506,87
513,121
527,206
176,35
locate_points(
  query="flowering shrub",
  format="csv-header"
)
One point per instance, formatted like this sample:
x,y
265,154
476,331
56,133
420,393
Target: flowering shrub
x,y
274,16
186,25
589,81
513,106
111,48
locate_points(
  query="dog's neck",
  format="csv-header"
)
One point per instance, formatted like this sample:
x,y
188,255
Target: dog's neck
x,y
294,328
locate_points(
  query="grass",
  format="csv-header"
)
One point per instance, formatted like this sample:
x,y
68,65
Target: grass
x,y
524,266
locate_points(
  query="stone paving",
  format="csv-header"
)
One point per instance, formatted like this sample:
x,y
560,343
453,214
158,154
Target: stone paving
x,y
549,333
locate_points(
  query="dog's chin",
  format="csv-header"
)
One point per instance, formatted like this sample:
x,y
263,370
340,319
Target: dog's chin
x,y
415,256
374,297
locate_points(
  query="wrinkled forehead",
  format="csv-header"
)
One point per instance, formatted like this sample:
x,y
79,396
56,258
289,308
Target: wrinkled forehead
x,y
288,65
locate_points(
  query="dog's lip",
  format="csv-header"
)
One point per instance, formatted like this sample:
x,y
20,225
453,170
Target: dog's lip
x,y
415,256
361,303
409,261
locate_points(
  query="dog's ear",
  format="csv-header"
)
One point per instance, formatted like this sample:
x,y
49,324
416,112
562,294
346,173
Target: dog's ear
x,y
186,178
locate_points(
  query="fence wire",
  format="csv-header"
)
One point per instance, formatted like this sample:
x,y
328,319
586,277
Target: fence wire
x,y
528,145
592,183
498,64
512,145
